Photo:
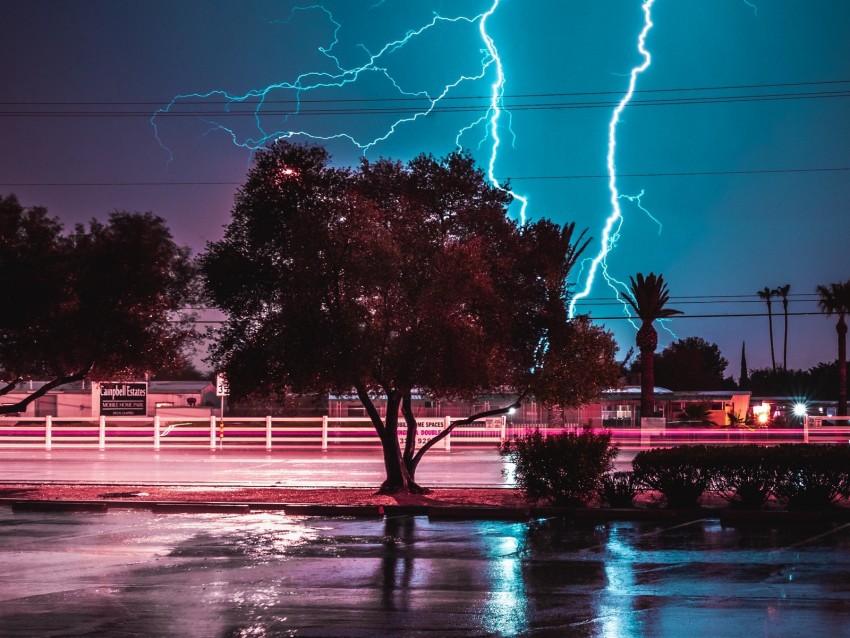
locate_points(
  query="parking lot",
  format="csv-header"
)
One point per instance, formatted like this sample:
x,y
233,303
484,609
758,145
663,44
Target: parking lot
x,y
134,573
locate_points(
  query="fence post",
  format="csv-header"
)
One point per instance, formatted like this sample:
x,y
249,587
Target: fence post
x,y
48,432
101,435
156,433
268,432
806,429
503,429
324,432
212,432
447,442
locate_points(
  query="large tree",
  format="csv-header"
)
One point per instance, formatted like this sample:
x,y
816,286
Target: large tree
x,y
101,302
766,295
689,364
782,292
393,278
648,297
835,300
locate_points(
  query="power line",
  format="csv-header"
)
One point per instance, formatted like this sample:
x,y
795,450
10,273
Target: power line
x,y
487,97
233,112
159,184
716,316
760,171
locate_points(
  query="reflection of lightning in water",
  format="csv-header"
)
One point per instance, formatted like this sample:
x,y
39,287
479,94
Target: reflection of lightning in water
x,y
611,230
376,65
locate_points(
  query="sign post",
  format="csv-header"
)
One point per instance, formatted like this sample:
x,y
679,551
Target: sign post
x,y
222,389
124,398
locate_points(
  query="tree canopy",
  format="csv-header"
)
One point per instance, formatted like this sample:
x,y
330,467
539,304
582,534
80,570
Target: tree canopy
x,y
691,363
393,278
100,302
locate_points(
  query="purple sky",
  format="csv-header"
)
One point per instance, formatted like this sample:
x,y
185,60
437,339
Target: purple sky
x,y
741,144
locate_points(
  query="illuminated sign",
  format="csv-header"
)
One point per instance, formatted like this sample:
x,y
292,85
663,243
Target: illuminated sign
x,y
124,399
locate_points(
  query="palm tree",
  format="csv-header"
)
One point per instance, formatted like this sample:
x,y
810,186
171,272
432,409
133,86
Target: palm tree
x,y
766,295
648,298
782,291
835,300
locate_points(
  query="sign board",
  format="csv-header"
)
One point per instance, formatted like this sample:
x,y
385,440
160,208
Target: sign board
x,y
222,388
427,429
124,399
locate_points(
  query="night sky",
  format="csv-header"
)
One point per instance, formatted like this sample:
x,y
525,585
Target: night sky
x,y
740,148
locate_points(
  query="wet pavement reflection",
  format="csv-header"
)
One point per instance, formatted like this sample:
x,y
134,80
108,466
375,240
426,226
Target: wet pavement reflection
x,y
135,573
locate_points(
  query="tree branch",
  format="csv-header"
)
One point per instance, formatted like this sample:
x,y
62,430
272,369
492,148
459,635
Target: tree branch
x,y
10,386
371,410
21,405
470,419
410,420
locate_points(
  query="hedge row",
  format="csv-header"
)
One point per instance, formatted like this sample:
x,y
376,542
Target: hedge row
x,y
564,469
572,469
799,476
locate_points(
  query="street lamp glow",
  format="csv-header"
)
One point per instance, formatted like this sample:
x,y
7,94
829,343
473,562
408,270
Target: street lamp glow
x,y
799,409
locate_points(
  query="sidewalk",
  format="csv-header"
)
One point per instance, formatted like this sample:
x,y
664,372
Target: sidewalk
x,y
449,503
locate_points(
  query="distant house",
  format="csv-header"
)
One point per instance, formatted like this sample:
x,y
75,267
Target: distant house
x,y
83,399
616,408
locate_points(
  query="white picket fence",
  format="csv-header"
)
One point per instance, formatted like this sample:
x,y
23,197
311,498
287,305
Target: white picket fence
x,y
216,433
334,432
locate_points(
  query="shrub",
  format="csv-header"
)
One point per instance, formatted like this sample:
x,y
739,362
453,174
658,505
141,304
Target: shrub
x,y
564,469
619,489
812,476
680,473
744,475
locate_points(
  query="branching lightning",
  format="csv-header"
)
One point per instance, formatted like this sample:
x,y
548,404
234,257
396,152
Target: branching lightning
x,y
341,76
614,222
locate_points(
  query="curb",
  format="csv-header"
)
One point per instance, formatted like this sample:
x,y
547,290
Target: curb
x,y
59,506
437,513
479,513
200,508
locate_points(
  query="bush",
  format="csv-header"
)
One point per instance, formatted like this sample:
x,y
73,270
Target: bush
x,y
680,473
619,489
811,476
564,469
744,475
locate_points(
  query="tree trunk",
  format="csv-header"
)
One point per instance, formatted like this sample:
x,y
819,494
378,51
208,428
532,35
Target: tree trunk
x,y
399,479
841,328
770,325
785,340
647,342
647,383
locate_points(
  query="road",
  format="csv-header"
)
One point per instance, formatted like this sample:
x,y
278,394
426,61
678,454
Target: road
x,y
132,573
290,467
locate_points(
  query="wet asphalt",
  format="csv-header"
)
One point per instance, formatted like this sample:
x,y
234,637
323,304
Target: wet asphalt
x,y
135,573
286,467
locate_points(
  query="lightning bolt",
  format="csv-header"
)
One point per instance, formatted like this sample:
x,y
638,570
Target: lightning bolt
x,y
497,93
614,221
341,77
